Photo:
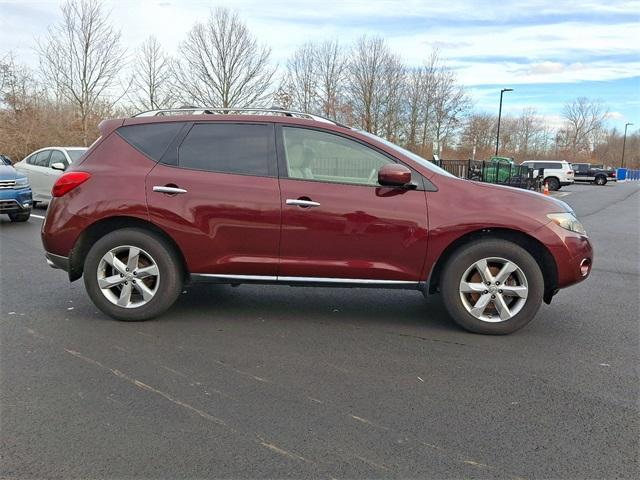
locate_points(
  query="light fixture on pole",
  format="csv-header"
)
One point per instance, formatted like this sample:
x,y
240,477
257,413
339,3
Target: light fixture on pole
x,y
500,116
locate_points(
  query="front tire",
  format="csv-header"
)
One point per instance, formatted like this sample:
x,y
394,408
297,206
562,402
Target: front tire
x,y
492,286
132,275
20,217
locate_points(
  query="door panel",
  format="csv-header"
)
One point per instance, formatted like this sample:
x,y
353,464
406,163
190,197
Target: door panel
x,y
357,232
224,223
224,219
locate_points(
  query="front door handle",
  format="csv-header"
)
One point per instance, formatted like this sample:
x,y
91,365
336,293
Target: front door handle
x,y
302,202
168,189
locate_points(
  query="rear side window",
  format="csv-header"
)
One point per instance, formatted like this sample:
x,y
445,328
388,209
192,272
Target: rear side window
x,y
246,149
152,139
40,159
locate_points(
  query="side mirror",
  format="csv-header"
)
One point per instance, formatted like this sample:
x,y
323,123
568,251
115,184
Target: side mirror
x,y
394,175
58,166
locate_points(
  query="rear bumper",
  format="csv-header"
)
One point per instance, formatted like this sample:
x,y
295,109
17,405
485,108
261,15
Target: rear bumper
x,y
57,261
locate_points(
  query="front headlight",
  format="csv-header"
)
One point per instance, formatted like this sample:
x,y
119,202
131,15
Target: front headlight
x,y
568,221
22,182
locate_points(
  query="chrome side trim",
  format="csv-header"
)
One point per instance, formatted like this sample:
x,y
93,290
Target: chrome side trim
x,y
316,280
363,281
255,278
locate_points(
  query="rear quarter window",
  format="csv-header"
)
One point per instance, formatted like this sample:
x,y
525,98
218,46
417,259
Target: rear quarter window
x,y
245,149
152,139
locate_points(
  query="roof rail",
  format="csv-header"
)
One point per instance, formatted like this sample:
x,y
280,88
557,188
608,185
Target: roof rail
x,y
234,110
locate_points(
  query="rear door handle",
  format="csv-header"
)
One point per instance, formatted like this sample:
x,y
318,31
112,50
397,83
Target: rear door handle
x,y
302,203
169,190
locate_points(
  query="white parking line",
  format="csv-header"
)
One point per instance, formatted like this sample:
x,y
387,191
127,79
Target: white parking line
x,y
38,216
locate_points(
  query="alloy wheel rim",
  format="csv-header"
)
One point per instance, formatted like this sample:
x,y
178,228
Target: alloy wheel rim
x,y
494,289
128,276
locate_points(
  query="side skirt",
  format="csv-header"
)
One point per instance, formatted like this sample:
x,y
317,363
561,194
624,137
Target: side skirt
x,y
306,281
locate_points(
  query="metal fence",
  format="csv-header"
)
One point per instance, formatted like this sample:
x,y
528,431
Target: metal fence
x,y
502,173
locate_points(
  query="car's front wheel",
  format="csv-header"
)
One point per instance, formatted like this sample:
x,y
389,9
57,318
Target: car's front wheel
x,y
20,217
492,286
132,275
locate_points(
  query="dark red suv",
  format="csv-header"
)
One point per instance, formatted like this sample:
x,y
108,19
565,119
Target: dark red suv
x,y
170,197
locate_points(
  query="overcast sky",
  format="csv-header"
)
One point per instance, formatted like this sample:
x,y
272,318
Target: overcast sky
x,y
548,51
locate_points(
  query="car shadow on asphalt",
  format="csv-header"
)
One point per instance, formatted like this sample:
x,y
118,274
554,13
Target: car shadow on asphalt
x,y
359,306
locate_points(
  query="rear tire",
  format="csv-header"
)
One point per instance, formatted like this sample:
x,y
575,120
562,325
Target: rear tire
x,y
20,217
495,309
132,275
600,180
553,183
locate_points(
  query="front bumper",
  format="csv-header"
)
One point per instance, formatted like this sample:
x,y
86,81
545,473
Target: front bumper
x,y
15,200
569,250
57,261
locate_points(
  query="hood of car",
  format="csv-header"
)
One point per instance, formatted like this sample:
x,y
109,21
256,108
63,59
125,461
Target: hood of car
x,y
518,198
7,172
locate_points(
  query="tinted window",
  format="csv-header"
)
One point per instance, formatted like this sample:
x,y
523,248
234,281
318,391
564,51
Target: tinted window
x,y
152,139
229,148
314,155
58,156
40,159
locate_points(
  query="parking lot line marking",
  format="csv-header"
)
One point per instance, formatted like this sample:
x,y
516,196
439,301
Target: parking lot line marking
x,y
149,388
37,216
282,451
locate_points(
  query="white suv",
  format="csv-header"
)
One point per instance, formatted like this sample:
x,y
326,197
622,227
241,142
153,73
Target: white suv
x,y
557,173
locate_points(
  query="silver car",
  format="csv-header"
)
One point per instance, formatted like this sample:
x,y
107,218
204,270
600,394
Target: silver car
x,y
44,166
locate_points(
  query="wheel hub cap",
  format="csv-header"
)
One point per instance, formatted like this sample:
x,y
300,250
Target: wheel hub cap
x,y
128,276
494,289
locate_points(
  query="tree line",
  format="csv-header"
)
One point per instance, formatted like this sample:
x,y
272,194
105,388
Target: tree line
x,y
85,74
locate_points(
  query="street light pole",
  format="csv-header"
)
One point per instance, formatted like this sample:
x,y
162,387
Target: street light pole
x,y
624,143
500,116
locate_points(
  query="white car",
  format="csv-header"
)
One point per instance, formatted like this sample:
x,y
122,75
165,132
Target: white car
x,y
557,173
44,166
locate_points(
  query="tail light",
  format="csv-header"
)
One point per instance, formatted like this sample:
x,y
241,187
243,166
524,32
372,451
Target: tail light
x,y
570,172
67,182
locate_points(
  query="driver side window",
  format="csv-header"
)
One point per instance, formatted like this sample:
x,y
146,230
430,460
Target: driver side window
x,y
325,157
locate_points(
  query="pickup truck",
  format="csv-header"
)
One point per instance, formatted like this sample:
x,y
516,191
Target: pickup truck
x,y
598,174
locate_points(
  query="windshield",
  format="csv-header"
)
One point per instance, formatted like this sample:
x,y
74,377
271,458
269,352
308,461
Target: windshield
x,y
416,158
76,153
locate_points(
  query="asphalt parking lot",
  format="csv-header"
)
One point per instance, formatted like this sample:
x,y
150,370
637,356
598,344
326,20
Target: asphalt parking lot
x,y
282,382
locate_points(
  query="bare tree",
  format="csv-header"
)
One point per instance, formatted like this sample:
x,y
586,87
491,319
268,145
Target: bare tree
x,y
223,64
152,77
583,119
420,94
82,57
331,64
301,79
370,70
479,135
450,103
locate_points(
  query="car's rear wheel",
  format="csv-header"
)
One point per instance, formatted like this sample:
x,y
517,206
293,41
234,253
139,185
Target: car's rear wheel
x,y
601,180
492,286
553,183
132,275
20,217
